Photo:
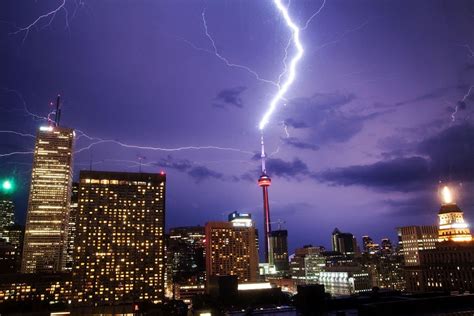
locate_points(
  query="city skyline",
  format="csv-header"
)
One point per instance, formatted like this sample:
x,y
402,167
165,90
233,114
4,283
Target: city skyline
x,y
372,122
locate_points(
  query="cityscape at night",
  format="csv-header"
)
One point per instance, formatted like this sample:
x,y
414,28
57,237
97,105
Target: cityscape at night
x,y
239,157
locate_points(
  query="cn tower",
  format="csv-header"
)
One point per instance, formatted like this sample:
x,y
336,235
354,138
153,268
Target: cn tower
x,y
264,182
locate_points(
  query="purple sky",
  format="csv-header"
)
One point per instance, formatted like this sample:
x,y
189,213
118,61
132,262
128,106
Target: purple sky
x,y
369,116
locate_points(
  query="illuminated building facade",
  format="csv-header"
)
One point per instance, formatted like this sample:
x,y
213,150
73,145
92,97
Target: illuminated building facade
x,y
11,248
344,243
279,250
231,250
306,264
72,226
240,219
7,211
386,247
119,251
51,288
346,281
47,220
187,259
452,226
447,267
413,239
369,246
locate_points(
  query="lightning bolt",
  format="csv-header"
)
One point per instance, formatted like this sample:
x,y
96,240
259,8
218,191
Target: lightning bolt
x,y
470,50
224,59
17,133
124,145
49,15
25,107
16,153
463,100
283,89
312,16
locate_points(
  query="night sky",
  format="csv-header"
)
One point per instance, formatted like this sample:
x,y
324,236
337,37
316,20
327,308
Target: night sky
x,y
380,111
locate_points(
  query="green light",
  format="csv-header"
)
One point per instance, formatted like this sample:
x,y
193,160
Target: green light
x,y
7,185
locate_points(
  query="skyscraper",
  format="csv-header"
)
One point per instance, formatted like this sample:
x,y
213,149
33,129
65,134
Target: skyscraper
x,y
48,206
413,239
344,243
231,250
72,226
119,244
264,182
279,250
7,210
369,246
186,256
452,226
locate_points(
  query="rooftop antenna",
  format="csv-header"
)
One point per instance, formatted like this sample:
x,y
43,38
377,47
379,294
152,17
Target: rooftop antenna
x,y
140,162
57,116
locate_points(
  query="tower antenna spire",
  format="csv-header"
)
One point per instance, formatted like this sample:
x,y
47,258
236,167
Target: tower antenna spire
x,y
263,156
57,116
264,182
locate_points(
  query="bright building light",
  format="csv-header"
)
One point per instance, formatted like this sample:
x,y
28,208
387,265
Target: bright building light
x,y
253,286
447,195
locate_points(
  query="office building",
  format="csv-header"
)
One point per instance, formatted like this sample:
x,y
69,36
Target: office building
x,y
369,246
386,247
72,226
344,243
344,281
231,250
413,239
49,288
47,219
119,251
279,250
306,264
7,211
187,260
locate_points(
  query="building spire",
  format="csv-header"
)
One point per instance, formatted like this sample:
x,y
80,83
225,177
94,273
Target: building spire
x,y
263,156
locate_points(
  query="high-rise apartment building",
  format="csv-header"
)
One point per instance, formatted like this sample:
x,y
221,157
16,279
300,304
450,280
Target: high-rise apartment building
x,y
47,220
344,243
119,251
413,239
231,250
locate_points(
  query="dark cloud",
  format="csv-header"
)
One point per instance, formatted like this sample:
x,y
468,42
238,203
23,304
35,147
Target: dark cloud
x,y
446,155
422,204
230,97
402,174
295,123
197,172
294,169
324,100
200,173
430,95
323,118
287,169
295,142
